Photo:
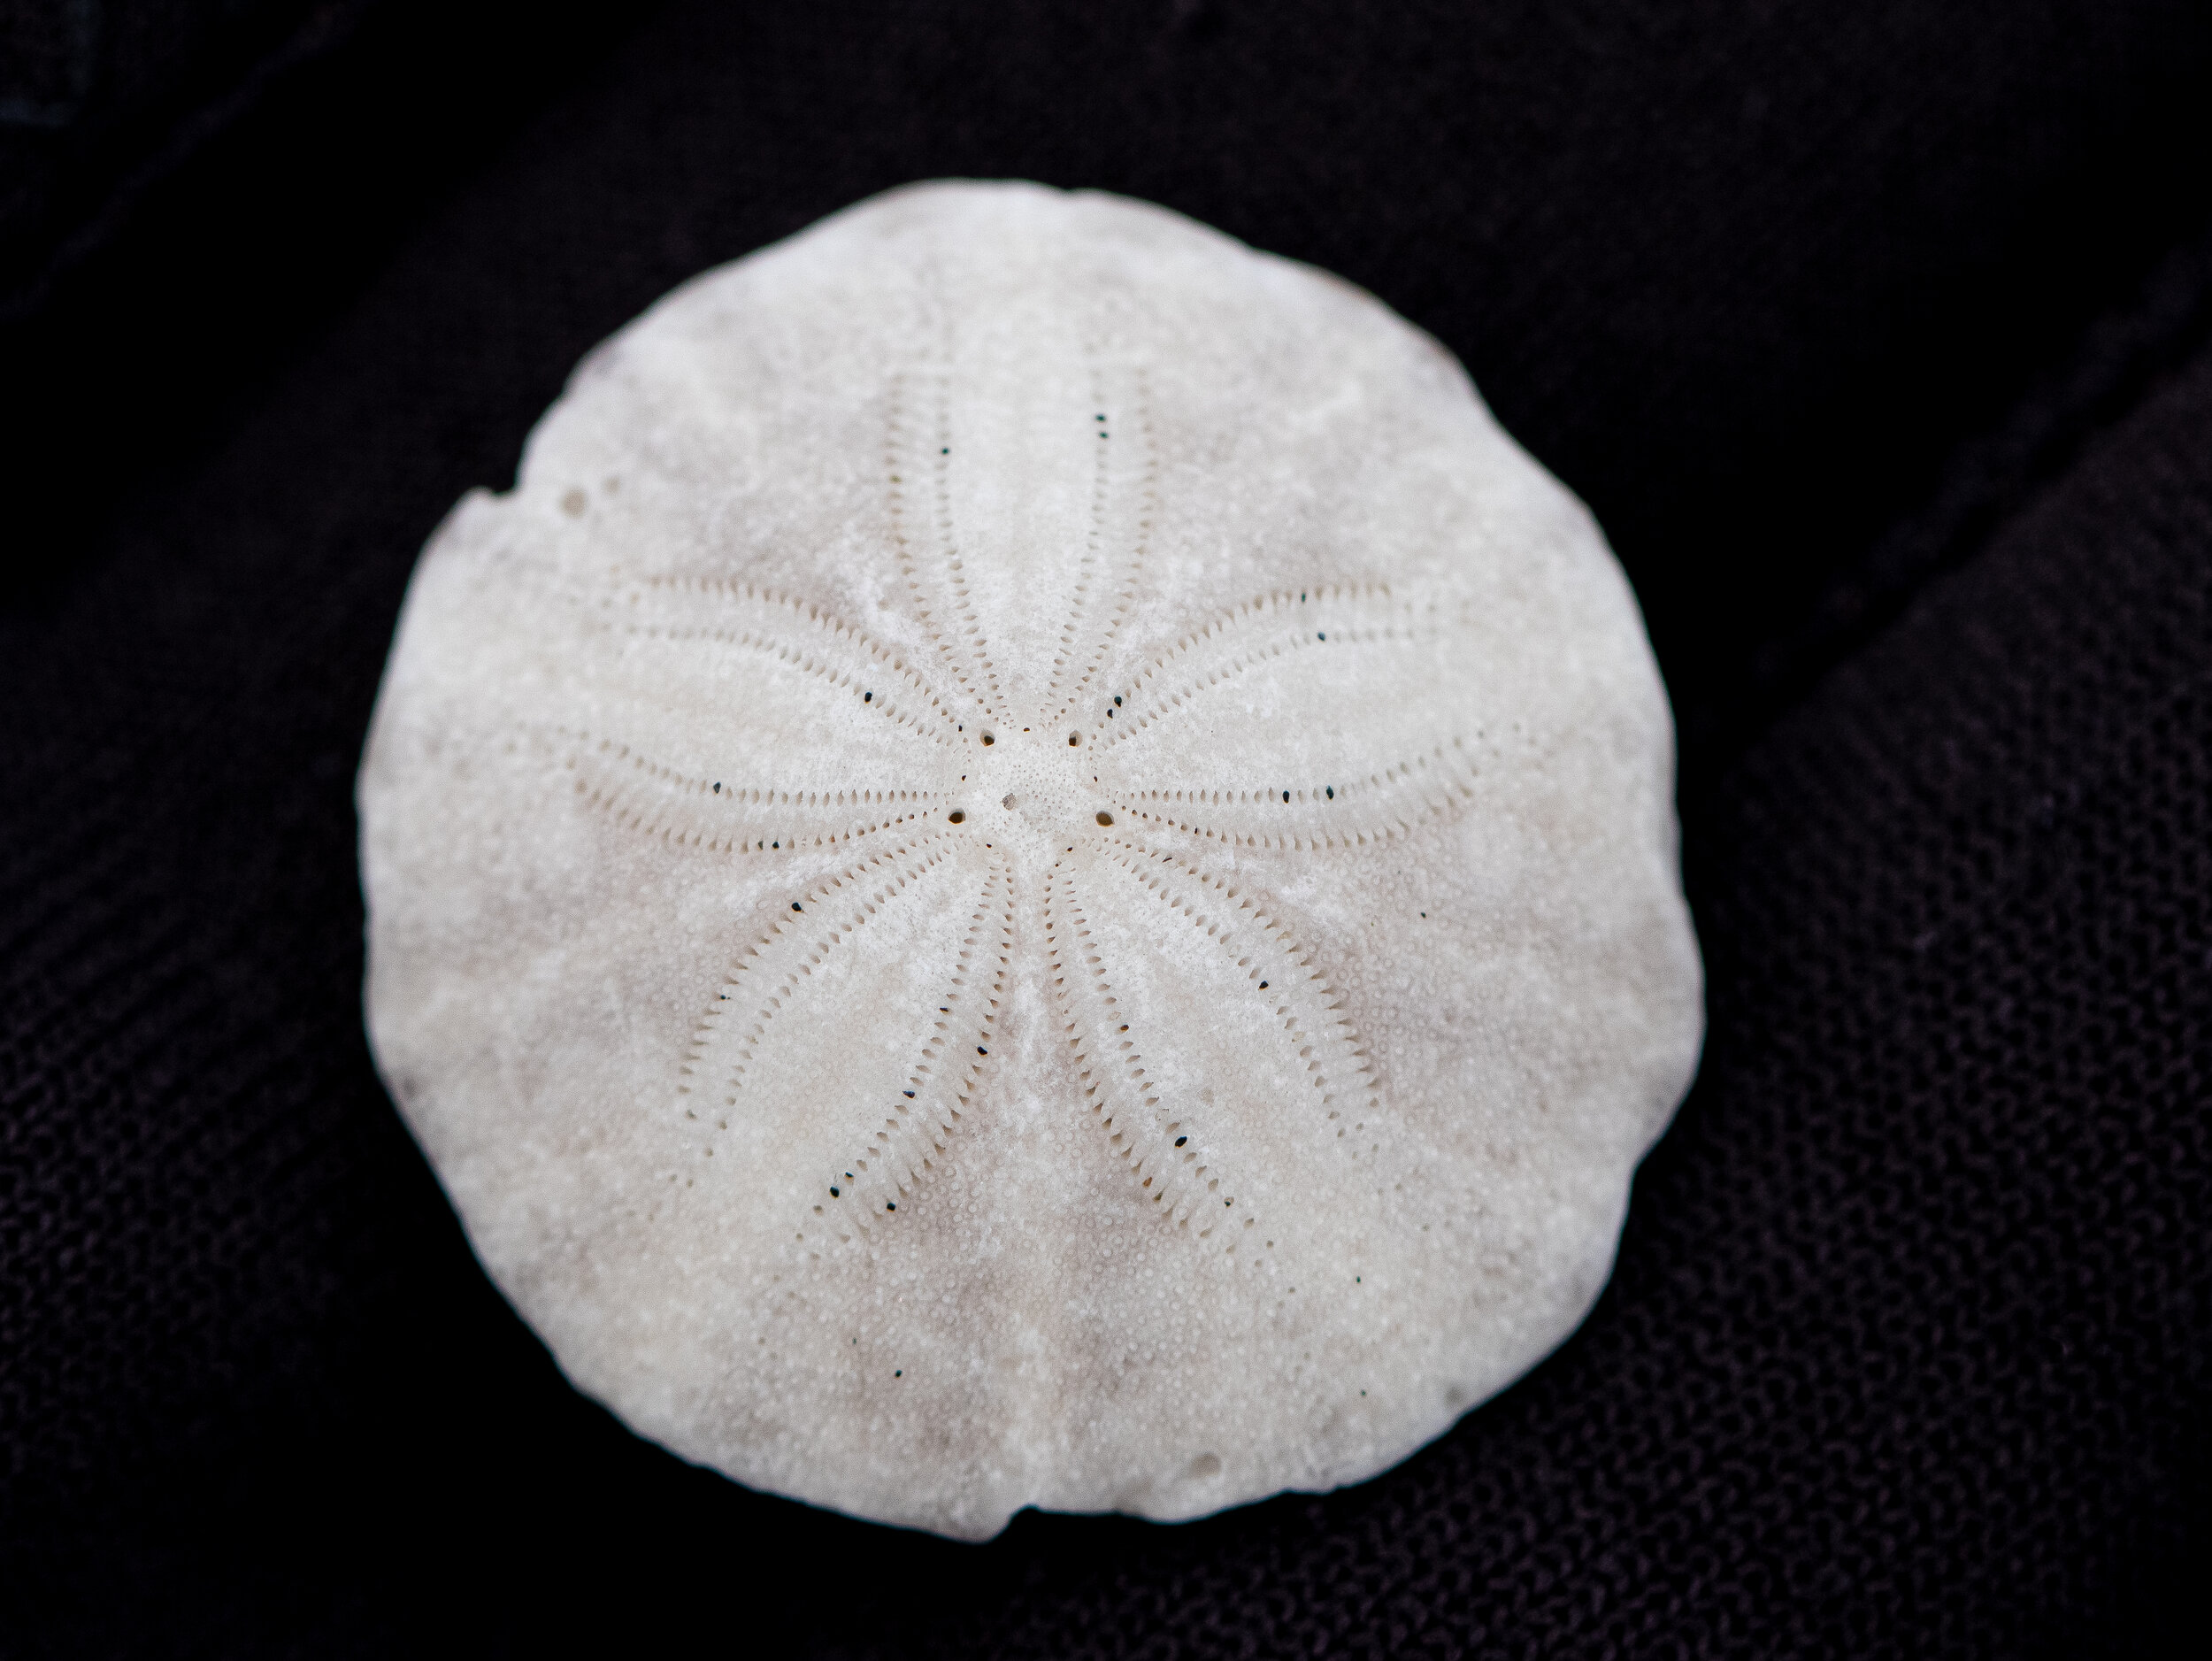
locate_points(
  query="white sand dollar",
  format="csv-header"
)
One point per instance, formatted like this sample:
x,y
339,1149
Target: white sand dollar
x,y
1031,866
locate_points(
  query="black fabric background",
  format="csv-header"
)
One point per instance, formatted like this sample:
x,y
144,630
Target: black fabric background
x,y
1876,335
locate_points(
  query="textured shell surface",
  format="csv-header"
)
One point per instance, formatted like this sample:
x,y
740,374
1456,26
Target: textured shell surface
x,y
1030,865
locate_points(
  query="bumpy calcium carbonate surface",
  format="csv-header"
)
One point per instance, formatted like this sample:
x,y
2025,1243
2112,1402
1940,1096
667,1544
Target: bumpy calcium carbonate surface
x,y
1030,865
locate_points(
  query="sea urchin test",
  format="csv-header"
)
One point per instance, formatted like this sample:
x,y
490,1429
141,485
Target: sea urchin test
x,y
1030,865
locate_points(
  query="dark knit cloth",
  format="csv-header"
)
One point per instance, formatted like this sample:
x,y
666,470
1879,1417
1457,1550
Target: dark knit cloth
x,y
1875,334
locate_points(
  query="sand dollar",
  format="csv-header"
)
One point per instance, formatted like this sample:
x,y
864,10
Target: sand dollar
x,y
1030,865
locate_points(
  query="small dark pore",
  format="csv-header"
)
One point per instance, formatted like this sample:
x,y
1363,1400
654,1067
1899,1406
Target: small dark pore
x,y
980,1051
1075,738
834,1193
988,739
795,905
890,1205
1262,985
717,787
900,1372
867,697
1179,1141
1105,818
1285,795
1332,791
956,816
1116,703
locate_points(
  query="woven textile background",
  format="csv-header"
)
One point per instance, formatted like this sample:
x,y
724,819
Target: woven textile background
x,y
1879,337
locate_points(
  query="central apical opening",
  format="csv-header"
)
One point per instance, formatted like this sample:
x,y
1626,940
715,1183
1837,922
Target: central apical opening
x,y
1037,780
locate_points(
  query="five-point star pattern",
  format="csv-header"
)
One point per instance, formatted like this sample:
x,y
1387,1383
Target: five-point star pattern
x,y
1082,806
